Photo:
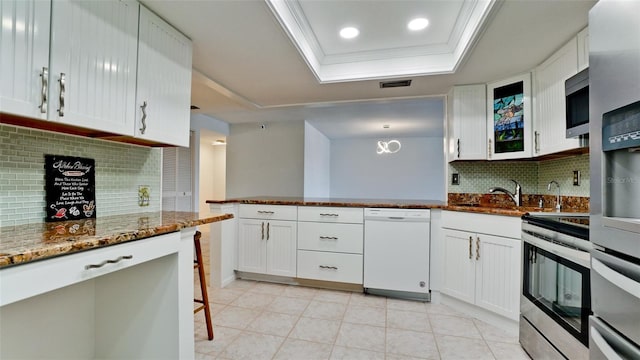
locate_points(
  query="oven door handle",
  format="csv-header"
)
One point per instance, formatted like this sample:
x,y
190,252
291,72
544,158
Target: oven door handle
x,y
624,283
579,257
602,344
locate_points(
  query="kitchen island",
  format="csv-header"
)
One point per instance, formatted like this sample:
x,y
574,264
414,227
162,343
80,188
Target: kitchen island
x,y
227,256
495,209
112,287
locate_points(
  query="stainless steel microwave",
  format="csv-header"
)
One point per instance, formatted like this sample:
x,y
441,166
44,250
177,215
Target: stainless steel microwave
x,y
577,104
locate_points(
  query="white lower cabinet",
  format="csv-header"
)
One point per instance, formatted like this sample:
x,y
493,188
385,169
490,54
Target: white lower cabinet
x,y
139,307
327,266
330,244
482,269
267,247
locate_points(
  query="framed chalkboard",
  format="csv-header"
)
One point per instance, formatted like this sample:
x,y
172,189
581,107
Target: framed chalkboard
x,y
70,187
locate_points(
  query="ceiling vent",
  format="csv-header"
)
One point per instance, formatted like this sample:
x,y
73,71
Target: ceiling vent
x,y
394,84
193,107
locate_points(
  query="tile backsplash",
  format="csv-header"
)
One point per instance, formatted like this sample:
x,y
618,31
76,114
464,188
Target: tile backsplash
x,y
478,177
120,169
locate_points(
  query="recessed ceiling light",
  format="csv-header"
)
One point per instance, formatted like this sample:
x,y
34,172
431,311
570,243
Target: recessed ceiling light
x,y
418,24
349,32
385,126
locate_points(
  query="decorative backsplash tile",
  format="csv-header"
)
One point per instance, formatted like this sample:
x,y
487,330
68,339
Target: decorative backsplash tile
x,y
120,170
561,170
479,176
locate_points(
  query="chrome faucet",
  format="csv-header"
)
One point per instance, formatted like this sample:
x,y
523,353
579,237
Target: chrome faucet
x,y
515,196
558,205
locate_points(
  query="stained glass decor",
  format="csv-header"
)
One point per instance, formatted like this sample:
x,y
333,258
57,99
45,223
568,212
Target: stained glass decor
x,y
508,118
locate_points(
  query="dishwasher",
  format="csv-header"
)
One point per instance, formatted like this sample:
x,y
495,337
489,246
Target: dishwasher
x,y
396,252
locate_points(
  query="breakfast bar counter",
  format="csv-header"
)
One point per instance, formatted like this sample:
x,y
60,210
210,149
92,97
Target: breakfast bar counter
x,y
25,243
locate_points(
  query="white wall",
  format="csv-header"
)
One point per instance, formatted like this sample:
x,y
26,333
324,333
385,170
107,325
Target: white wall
x,y
415,172
317,163
266,161
200,121
203,126
212,167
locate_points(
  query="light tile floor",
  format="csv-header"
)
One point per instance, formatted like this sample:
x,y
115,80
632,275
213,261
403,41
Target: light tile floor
x,y
259,320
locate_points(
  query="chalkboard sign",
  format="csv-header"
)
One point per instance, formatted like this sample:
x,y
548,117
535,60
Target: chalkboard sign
x,y
70,187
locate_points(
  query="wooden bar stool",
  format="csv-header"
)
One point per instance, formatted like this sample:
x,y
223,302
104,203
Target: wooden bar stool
x,y
199,264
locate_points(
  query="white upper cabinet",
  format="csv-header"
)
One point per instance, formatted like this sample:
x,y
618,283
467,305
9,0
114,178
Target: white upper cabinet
x,y
509,121
467,123
164,82
93,64
549,100
83,63
24,57
583,49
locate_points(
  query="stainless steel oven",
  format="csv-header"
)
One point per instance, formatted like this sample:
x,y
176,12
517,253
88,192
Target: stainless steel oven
x,y
555,302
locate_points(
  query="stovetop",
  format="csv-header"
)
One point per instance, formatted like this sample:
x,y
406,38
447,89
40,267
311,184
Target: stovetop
x,y
574,224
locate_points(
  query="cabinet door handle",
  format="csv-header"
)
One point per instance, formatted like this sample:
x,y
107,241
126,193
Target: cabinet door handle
x,y
328,267
267,231
478,248
328,238
116,260
143,107
489,149
329,214
62,82
536,138
262,236
470,247
458,148
44,75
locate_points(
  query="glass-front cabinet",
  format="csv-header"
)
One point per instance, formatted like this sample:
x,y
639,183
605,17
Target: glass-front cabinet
x,y
509,118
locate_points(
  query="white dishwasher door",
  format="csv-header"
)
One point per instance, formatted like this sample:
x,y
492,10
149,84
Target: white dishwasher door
x,y
396,250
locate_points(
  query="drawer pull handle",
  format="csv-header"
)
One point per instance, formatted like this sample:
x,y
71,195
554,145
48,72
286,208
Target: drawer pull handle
x,y
265,212
328,238
329,214
328,267
117,260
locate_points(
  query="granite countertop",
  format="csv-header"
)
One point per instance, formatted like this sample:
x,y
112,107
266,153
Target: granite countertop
x,y
24,243
494,209
338,202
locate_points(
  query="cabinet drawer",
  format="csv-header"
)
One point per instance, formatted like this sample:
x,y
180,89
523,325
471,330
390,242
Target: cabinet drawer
x,y
23,281
505,226
330,214
326,266
275,212
345,238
